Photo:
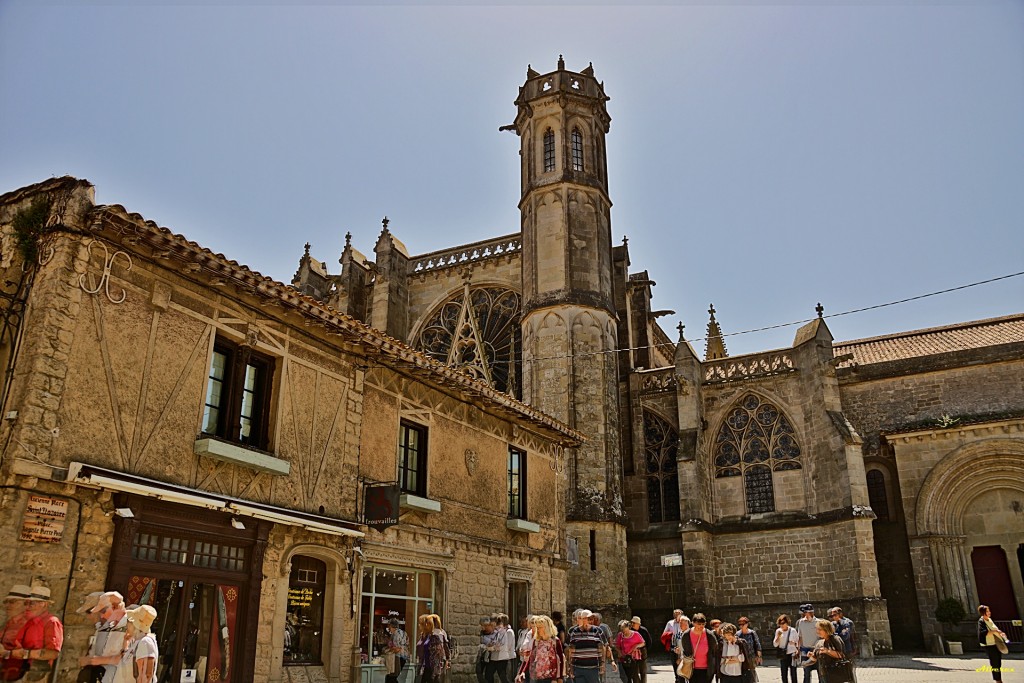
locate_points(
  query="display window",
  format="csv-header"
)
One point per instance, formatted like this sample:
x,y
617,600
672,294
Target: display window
x,y
304,623
402,593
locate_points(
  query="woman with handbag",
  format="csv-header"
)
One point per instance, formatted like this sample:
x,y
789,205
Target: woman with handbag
x,y
993,640
829,654
698,653
629,647
786,645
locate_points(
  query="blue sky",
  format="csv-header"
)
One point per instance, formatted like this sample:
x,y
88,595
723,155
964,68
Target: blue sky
x,y
761,156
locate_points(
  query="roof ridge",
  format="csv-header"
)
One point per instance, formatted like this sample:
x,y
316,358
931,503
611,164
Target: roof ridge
x,y
984,322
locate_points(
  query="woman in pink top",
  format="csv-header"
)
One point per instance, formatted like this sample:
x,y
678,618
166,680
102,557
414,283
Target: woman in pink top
x,y
702,645
629,645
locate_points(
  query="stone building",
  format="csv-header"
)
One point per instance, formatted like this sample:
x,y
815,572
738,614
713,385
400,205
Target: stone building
x,y
853,473
199,437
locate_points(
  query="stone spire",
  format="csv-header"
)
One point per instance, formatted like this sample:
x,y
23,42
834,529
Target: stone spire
x,y
715,344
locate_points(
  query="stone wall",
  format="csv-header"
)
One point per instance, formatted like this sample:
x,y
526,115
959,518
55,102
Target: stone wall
x,y
654,590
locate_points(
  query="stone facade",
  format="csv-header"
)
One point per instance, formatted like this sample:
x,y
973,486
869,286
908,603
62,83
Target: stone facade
x,y
110,409
652,471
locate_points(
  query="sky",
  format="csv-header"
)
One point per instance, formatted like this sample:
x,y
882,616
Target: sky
x,y
762,156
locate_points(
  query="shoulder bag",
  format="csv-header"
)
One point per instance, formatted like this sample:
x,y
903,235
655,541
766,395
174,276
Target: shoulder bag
x,y
785,646
836,670
685,668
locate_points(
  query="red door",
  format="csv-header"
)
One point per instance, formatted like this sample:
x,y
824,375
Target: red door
x,y
992,576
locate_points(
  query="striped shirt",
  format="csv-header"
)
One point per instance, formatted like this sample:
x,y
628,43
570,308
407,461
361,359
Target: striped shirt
x,y
587,647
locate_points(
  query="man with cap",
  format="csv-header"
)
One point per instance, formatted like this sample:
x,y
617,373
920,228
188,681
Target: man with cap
x,y
807,632
110,634
648,644
14,606
88,672
588,647
42,636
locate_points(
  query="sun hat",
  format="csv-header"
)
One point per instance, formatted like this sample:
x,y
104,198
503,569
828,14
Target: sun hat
x,y
636,620
37,592
88,602
143,617
18,591
107,600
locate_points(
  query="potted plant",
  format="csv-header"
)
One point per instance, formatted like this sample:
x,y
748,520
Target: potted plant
x,y
950,612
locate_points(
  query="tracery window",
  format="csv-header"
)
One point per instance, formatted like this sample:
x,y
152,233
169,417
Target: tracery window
x,y
878,497
577,150
549,151
755,440
478,332
661,445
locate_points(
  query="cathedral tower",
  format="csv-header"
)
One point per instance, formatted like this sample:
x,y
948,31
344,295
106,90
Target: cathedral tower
x,y
569,323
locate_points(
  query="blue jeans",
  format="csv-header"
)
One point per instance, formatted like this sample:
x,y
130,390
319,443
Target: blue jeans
x,y
583,674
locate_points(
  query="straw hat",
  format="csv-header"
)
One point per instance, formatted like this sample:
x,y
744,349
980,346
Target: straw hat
x,y
18,592
88,602
143,617
37,592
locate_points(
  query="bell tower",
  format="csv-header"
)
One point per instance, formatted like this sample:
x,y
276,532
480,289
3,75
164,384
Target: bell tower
x,y
569,323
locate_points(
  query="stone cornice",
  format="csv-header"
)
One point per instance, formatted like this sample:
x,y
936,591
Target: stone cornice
x,y
995,427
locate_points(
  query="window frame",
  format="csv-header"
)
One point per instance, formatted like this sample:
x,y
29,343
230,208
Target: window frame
x,y
404,427
238,357
518,509
548,150
576,139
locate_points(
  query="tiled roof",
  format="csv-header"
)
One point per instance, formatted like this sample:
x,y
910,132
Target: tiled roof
x,y
374,342
933,341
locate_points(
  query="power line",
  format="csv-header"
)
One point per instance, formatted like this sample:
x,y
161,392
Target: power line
x,y
797,322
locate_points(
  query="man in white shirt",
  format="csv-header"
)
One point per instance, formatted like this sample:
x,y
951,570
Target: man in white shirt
x,y
807,629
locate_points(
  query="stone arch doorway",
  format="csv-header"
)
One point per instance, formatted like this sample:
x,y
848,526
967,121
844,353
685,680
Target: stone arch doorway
x,y
971,510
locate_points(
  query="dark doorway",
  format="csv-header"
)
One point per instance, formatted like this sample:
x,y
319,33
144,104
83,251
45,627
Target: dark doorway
x,y
992,577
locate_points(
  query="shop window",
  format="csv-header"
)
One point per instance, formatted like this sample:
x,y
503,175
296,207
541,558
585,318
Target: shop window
x,y
304,623
238,388
516,483
401,593
412,459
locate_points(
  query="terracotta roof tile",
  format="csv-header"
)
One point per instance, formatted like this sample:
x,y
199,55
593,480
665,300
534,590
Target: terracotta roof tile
x,y
933,340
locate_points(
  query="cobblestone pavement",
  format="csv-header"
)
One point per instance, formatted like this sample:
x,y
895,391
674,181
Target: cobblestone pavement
x,y
903,668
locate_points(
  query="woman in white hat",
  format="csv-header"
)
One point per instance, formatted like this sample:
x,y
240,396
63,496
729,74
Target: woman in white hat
x,y
142,655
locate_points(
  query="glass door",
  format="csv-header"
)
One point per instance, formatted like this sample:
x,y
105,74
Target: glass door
x,y
195,627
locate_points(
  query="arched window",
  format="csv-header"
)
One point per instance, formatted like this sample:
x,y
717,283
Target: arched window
x,y
549,151
478,332
577,150
661,443
878,497
755,440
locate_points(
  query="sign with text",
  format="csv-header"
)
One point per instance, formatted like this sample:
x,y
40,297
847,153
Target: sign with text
x,y
674,560
300,597
380,506
44,519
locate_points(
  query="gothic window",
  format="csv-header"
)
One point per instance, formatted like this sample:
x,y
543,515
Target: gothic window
x,y
477,331
661,443
878,498
577,150
755,440
549,151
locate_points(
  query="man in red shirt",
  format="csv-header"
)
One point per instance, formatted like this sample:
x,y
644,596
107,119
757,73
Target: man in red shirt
x,y
41,637
14,606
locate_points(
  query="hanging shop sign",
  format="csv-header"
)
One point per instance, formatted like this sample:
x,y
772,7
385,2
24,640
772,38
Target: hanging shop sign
x,y
44,519
380,506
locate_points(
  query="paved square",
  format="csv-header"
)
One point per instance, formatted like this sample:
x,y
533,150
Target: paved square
x,y
903,668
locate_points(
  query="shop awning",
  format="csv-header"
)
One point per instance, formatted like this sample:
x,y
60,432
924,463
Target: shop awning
x,y
113,480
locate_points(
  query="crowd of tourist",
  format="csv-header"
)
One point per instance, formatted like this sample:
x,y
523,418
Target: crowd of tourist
x,y
121,650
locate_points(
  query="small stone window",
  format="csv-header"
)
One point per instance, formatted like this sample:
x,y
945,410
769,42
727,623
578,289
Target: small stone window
x,y
577,150
756,440
549,151
516,483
